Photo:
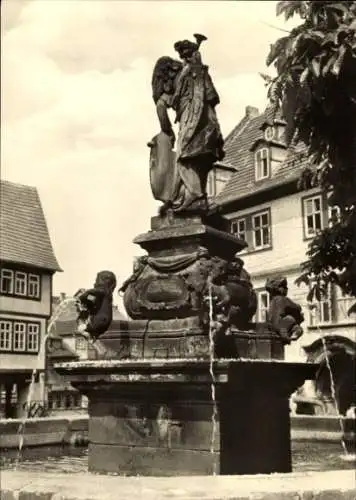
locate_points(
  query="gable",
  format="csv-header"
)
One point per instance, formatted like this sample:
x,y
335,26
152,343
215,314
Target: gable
x,y
240,152
24,233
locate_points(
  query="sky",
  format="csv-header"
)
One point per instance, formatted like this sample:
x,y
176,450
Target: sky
x,y
77,112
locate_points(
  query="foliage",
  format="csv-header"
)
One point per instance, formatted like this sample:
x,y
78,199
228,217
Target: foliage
x,y
315,88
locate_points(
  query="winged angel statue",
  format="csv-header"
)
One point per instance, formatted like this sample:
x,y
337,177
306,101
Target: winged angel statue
x,y
179,178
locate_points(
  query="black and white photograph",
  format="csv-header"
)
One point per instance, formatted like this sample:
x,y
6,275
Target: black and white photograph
x,y
178,250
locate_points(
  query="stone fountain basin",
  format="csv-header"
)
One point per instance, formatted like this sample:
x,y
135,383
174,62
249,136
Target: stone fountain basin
x,y
188,417
218,371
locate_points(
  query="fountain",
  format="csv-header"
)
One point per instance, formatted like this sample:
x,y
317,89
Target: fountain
x,y
193,387
60,309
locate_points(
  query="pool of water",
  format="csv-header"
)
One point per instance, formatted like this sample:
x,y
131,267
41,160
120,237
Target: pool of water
x,y
307,456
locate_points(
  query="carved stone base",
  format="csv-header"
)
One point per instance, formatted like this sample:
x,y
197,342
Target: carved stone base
x,y
186,338
157,417
183,252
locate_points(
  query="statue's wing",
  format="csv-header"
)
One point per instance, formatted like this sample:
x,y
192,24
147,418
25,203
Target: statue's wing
x,y
164,75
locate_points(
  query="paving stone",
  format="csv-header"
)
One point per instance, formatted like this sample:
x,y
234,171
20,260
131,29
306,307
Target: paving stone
x,y
332,485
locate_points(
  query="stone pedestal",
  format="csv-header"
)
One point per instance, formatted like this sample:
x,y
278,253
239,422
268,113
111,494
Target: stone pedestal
x,y
187,339
192,390
168,283
158,417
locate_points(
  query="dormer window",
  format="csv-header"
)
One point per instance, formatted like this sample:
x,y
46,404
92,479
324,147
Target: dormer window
x,y
262,164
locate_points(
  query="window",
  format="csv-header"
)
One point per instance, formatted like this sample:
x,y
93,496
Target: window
x,y
5,335
238,227
19,336
221,177
7,281
68,400
262,164
77,400
333,215
56,400
216,181
20,283
312,216
33,334
321,313
342,306
332,309
211,191
33,286
262,306
261,230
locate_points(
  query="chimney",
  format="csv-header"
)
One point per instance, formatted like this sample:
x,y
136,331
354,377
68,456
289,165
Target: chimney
x,y
251,112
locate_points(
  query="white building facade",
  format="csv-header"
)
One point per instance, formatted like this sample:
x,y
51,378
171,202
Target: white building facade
x,y
278,220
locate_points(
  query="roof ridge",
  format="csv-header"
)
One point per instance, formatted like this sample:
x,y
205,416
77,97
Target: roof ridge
x,y
242,183
23,219
242,123
18,184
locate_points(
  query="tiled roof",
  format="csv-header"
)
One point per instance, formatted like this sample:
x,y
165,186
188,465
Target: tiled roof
x,y
237,147
24,236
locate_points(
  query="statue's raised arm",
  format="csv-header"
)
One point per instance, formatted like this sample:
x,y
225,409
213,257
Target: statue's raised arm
x,y
179,180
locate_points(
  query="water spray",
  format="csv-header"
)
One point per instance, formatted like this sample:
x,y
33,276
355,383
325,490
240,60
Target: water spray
x,y
333,388
42,351
214,417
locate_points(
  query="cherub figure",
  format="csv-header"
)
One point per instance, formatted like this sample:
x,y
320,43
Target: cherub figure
x,y
95,306
284,316
179,179
234,298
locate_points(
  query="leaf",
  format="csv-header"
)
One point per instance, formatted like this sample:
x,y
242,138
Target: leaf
x,y
289,8
277,49
266,78
302,279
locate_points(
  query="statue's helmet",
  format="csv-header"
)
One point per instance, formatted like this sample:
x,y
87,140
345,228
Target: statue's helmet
x,y
273,285
106,280
185,48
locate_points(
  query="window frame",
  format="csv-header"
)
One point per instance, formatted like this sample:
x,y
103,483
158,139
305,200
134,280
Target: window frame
x,y
27,333
347,300
21,278
254,229
211,184
259,310
9,322
238,233
336,318
331,216
259,166
37,284
16,349
36,334
305,199
2,277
